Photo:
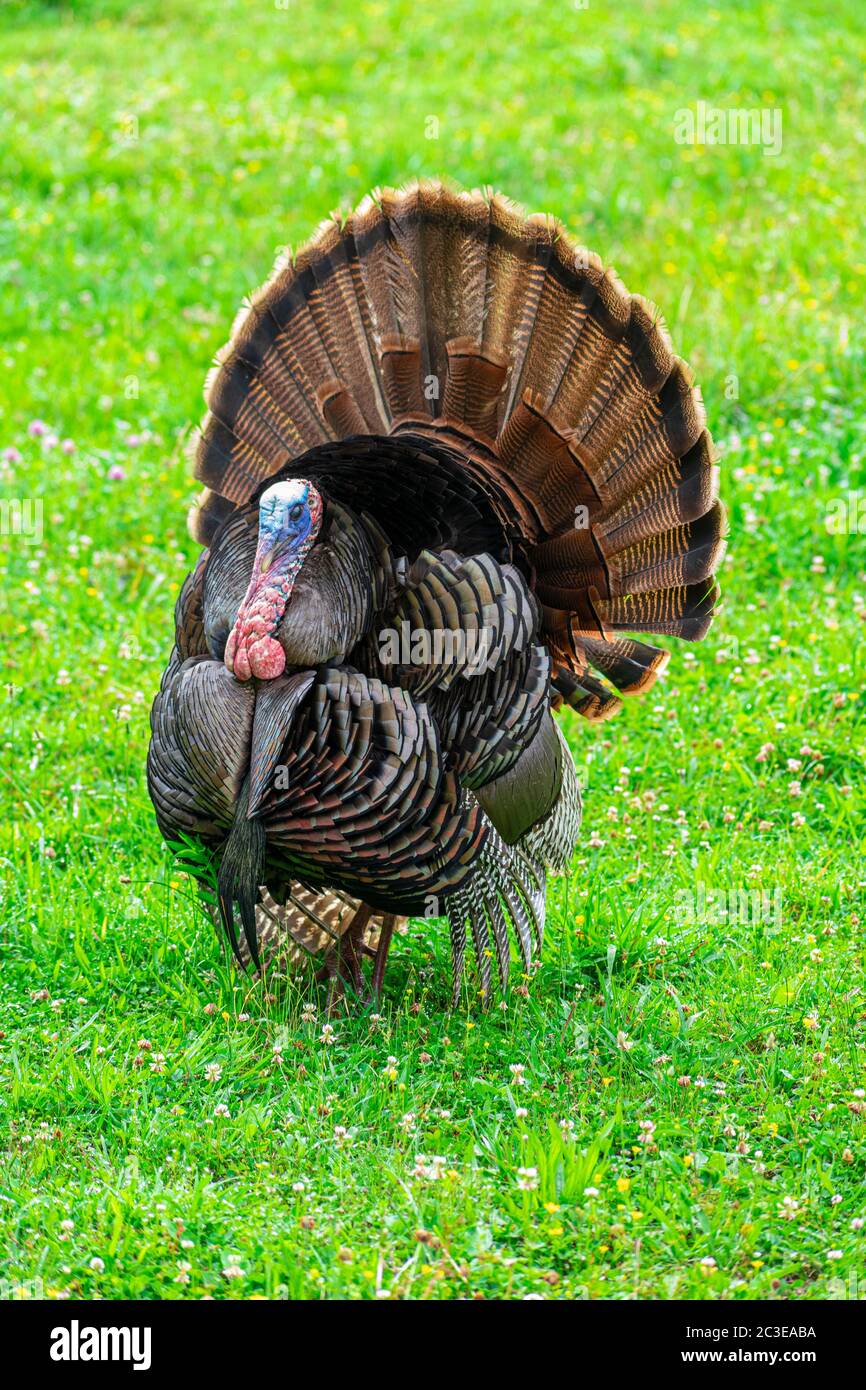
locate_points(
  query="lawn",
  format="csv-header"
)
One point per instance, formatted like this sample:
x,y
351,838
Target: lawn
x,y
683,1090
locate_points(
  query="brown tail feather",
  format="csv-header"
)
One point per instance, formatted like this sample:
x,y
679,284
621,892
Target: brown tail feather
x,y
629,665
685,612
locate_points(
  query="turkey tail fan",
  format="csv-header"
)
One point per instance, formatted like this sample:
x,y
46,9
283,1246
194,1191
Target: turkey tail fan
x,y
497,349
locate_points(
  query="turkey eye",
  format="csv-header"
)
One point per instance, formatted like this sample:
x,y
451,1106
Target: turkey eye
x,y
297,512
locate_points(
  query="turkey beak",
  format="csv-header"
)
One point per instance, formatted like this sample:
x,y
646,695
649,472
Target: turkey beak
x,y
271,550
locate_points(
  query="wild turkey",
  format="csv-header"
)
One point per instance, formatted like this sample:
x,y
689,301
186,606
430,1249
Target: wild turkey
x,y
449,464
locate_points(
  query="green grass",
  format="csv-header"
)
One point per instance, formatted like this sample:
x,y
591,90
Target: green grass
x,y
122,261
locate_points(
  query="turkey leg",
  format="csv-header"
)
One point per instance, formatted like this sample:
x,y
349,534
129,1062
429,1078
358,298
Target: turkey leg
x,y
385,935
342,964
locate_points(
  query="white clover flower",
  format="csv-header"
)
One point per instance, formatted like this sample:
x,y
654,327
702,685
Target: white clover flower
x,y
430,1169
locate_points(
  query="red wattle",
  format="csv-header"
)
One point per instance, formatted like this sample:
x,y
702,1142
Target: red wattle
x,y
251,649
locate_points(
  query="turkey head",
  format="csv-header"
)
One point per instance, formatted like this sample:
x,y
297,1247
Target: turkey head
x,y
290,516
287,584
